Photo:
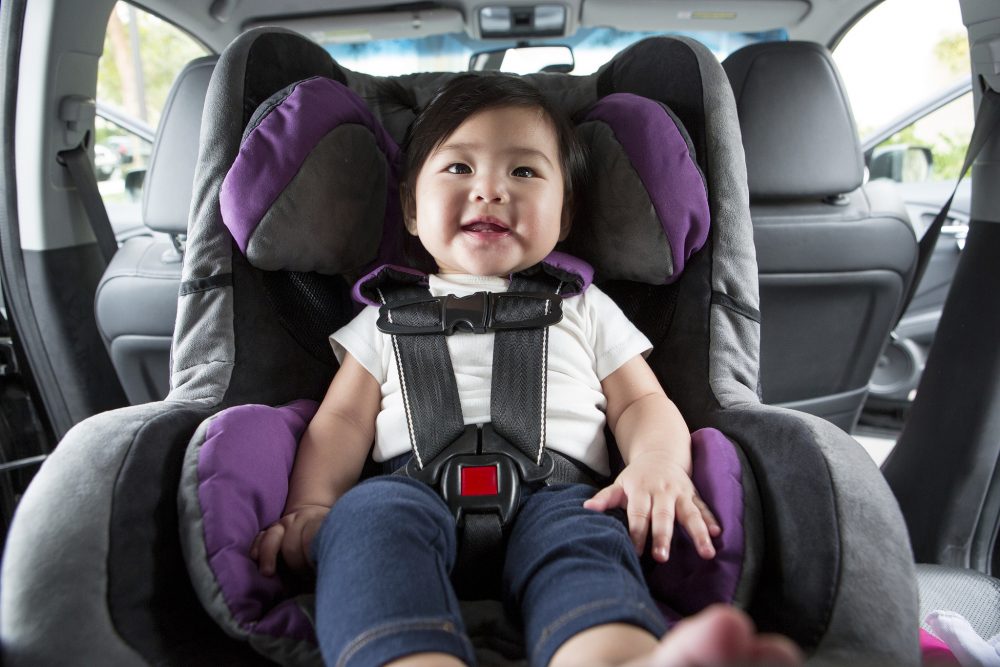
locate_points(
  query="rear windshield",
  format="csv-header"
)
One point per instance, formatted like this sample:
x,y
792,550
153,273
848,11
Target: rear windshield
x,y
592,47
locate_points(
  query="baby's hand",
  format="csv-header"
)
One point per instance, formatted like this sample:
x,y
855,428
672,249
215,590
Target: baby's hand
x,y
291,535
654,491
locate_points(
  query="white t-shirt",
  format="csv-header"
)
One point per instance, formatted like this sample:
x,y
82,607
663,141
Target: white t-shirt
x,y
593,339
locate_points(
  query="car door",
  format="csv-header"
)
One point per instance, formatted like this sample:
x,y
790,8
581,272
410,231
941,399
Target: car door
x,y
915,117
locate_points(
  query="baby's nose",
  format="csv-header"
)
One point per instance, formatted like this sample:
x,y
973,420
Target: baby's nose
x,y
489,189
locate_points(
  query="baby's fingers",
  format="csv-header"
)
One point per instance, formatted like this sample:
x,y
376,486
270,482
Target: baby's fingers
x,y
663,527
690,516
639,513
292,547
606,498
267,545
714,527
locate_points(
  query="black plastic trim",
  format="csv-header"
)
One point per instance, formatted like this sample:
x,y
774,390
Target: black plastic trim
x,y
20,311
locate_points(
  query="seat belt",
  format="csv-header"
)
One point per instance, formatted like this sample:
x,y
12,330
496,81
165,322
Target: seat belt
x,y
987,118
478,470
81,171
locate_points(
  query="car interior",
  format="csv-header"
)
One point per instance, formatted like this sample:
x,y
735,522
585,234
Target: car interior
x,y
810,316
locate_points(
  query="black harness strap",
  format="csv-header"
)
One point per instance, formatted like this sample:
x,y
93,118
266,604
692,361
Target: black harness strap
x,y
426,376
494,459
418,323
520,361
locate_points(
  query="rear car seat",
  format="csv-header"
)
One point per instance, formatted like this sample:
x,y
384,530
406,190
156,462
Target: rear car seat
x,y
136,299
834,254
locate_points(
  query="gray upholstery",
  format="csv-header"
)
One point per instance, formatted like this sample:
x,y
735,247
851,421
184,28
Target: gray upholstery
x,y
120,471
834,256
136,300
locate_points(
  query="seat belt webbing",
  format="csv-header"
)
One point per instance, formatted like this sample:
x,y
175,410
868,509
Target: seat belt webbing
x,y
81,171
520,360
987,118
426,378
430,393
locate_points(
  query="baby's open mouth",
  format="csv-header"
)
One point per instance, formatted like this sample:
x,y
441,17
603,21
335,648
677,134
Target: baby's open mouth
x,y
485,226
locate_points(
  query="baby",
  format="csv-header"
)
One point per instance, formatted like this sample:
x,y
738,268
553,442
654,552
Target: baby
x,y
488,186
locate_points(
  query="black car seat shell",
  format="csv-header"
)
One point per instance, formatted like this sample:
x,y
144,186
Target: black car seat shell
x,y
836,570
136,300
834,255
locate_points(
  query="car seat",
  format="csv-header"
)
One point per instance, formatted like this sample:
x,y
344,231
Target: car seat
x,y
94,568
136,300
834,255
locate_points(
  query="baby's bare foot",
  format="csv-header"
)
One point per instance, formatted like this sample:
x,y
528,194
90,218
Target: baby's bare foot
x,y
720,635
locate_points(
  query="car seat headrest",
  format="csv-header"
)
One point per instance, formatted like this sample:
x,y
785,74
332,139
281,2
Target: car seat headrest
x,y
169,182
315,187
798,130
646,209
314,181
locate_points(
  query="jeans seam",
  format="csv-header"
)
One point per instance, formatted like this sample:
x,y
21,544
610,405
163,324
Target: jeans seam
x,y
551,629
388,629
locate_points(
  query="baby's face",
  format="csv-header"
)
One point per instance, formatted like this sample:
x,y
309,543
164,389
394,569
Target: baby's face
x,y
489,198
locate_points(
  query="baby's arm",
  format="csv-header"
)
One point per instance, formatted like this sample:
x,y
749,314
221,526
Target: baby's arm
x,y
655,487
329,461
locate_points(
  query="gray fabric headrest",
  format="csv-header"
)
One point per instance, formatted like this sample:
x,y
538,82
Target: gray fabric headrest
x,y
166,197
798,130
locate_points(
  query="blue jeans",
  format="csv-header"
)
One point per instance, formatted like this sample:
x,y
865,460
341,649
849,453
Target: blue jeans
x,y
387,547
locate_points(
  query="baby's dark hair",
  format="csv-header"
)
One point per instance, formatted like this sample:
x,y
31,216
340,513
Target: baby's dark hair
x,y
468,94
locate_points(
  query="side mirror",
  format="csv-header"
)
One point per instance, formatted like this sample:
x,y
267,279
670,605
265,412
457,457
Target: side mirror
x,y
524,60
901,163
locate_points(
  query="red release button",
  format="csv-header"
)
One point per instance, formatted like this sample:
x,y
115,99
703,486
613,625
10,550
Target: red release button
x,y
479,481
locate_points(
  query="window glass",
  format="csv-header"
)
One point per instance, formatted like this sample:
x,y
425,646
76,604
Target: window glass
x,y
945,132
592,47
142,56
922,49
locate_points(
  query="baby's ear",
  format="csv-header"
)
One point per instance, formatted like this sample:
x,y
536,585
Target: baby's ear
x,y
566,224
409,209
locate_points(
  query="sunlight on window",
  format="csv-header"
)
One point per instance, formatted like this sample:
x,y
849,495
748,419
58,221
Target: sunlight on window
x,y
921,48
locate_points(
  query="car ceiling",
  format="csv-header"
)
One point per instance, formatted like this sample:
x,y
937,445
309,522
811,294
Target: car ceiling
x,y
217,22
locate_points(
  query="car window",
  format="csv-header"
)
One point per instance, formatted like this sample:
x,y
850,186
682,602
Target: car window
x,y
922,49
142,56
929,149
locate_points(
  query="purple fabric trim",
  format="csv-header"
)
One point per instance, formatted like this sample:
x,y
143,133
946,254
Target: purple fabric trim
x,y
243,470
275,150
686,583
246,460
356,293
660,157
573,265
560,260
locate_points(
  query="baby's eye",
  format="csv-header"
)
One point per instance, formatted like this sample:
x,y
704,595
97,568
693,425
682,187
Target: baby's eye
x,y
459,168
523,172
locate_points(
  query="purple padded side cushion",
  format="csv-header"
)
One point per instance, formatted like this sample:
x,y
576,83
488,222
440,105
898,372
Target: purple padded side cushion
x,y
687,583
273,152
243,470
660,156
